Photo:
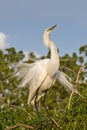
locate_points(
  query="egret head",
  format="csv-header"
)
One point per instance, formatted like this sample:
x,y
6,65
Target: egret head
x,y
49,30
46,35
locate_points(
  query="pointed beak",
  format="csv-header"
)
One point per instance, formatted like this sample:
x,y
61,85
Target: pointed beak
x,y
52,28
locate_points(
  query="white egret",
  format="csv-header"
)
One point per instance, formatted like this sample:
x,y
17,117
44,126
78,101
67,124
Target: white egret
x,y
42,74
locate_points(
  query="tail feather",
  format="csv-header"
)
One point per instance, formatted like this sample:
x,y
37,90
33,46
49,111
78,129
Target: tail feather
x,y
66,81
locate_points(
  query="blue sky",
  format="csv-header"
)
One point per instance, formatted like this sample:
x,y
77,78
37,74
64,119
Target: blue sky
x,y
22,23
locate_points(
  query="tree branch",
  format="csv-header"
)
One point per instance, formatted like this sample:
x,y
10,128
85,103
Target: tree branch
x,y
20,125
77,79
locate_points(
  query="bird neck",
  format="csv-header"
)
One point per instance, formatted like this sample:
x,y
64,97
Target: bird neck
x,y
54,51
50,44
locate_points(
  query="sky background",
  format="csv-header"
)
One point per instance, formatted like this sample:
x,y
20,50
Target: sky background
x,y
22,23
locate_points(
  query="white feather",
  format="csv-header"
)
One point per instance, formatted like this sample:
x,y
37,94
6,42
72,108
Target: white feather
x,y
29,74
65,80
41,75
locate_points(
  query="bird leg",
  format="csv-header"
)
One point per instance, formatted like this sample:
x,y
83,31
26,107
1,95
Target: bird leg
x,y
35,102
37,96
49,116
44,103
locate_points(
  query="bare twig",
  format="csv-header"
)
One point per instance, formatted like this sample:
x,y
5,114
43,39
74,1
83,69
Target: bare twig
x,y
20,125
70,98
77,79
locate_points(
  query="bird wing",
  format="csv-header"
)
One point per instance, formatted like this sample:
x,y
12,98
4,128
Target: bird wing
x,y
30,74
65,80
21,69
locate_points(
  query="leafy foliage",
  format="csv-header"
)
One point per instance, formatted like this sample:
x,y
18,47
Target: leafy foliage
x,y
16,114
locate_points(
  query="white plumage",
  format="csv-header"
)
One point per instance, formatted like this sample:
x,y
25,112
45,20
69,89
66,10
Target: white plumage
x,y
42,74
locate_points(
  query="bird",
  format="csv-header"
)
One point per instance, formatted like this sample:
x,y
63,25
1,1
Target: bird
x,y
42,74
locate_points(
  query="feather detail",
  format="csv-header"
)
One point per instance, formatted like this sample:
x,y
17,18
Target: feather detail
x,y
65,80
30,74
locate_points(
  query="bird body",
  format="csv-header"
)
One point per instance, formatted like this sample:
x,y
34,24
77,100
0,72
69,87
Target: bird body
x,y
42,74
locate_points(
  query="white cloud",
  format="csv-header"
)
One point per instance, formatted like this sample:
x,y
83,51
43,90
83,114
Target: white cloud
x,y
3,38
